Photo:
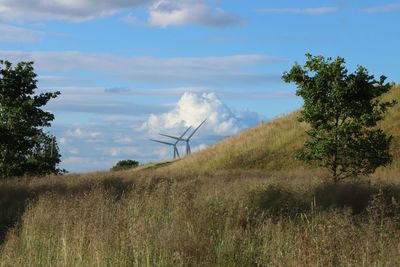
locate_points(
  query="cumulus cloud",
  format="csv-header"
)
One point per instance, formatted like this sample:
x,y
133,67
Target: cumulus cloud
x,y
99,142
307,11
165,13
193,108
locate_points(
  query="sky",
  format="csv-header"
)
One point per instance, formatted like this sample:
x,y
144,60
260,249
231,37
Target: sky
x,y
130,69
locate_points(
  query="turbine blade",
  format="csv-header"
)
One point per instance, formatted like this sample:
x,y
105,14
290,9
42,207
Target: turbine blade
x,y
190,127
175,137
170,136
162,142
181,137
195,130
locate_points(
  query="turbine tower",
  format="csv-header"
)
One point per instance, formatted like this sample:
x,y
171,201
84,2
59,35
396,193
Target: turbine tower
x,y
188,150
176,152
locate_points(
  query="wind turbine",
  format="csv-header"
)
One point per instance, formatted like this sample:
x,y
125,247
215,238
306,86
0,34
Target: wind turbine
x,y
188,151
176,152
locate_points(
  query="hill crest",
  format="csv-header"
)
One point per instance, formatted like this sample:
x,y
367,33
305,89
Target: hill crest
x,y
271,145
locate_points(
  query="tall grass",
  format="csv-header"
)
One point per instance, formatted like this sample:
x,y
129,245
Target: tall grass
x,y
243,202
229,218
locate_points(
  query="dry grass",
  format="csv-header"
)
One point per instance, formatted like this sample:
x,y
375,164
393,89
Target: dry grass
x,y
271,146
243,202
229,218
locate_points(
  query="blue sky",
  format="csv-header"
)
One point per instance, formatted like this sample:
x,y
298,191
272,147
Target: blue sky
x,y
128,69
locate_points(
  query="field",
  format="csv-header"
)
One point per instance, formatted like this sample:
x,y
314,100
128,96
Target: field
x,y
242,202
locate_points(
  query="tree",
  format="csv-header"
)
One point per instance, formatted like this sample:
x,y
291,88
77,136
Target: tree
x,y
125,165
342,110
24,145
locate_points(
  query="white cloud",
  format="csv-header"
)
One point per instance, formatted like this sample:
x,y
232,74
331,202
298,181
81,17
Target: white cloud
x,y
119,151
383,8
59,79
161,153
307,11
73,150
132,20
101,105
193,108
161,12
124,140
200,147
79,133
62,141
76,163
165,13
99,142
13,34
174,70
76,92
72,10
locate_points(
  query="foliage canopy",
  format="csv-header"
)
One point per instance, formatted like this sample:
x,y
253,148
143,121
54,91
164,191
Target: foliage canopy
x,y
25,149
125,164
342,110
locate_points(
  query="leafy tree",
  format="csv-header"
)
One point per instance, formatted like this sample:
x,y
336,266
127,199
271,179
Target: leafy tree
x,y
342,110
125,164
44,156
24,147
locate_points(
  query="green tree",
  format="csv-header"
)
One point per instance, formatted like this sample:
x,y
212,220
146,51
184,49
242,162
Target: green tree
x,y
125,164
24,146
342,110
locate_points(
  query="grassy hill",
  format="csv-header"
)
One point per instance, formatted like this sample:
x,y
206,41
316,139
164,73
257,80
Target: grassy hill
x,y
242,202
271,145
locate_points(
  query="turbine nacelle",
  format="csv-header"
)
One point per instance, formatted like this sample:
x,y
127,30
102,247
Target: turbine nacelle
x,y
176,152
188,150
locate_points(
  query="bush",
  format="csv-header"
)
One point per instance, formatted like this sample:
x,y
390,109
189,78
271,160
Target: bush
x,y
280,201
125,164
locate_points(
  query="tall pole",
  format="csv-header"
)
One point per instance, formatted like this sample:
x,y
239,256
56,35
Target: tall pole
x,y
52,147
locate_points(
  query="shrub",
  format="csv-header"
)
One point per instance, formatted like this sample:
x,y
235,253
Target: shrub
x,y
125,164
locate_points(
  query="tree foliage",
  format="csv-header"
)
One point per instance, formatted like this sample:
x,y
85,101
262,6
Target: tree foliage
x,y
342,110
125,164
25,148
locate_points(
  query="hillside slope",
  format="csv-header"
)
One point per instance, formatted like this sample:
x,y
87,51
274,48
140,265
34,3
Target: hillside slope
x,y
158,215
271,146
